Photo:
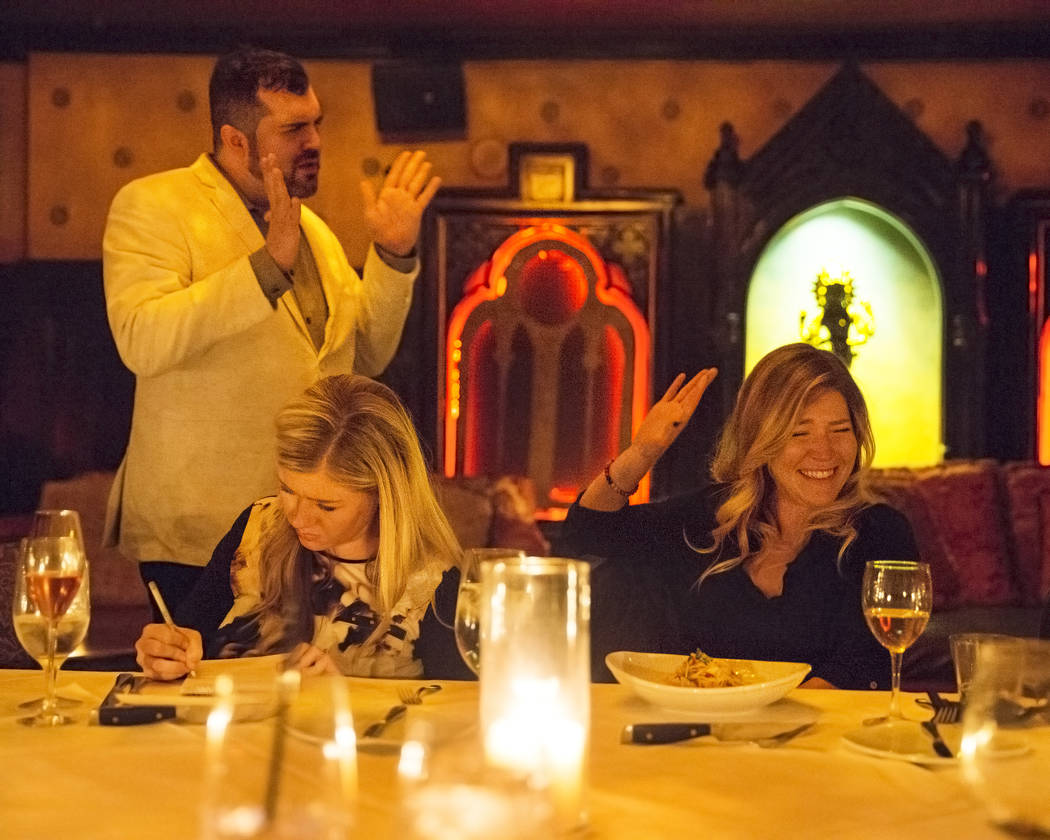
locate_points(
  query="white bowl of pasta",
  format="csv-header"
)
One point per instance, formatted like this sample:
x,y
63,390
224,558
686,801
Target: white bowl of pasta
x,y
705,686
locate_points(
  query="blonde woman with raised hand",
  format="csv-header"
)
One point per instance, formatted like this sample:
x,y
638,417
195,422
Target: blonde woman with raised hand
x,y
764,562
340,567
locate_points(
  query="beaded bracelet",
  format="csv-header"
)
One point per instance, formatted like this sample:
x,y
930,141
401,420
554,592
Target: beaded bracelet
x,y
609,480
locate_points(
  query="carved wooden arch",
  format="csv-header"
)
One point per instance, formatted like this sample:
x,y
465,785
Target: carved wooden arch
x,y
851,140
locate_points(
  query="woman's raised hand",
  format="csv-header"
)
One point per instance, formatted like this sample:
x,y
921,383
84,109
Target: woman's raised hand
x,y
669,415
658,430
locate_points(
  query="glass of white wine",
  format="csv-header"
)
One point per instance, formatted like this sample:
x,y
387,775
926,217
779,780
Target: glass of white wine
x,y
51,607
468,602
897,596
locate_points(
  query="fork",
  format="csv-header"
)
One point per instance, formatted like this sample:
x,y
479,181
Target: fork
x,y
944,711
783,737
414,696
408,697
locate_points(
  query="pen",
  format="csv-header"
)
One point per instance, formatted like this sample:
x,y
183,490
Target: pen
x,y
155,592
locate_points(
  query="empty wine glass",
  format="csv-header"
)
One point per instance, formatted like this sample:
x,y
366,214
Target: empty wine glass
x,y
51,603
897,597
468,603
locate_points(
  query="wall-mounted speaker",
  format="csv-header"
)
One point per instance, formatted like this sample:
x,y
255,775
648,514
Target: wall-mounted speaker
x,y
419,100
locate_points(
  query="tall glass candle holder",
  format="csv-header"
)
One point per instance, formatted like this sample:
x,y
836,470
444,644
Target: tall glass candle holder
x,y
535,683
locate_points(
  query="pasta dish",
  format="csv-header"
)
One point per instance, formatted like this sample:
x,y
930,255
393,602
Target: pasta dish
x,y
702,671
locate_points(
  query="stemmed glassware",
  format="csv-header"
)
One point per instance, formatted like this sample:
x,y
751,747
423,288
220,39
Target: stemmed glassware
x,y
51,606
468,603
897,597
72,629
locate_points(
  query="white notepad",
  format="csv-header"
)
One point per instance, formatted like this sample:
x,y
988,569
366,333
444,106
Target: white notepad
x,y
250,674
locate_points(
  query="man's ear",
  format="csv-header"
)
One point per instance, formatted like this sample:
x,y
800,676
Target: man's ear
x,y
235,142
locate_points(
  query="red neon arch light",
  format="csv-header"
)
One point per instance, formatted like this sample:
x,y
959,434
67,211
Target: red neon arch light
x,y
489,282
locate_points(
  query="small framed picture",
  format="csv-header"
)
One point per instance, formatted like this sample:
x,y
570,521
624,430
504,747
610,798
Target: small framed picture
x,y
547,178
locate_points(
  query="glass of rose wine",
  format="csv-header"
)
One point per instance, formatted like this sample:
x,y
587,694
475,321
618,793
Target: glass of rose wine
x,y
31,630
51,606
468,603
897,596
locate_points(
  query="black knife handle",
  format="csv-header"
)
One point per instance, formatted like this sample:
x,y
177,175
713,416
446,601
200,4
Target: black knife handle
x,y
132,715
663,733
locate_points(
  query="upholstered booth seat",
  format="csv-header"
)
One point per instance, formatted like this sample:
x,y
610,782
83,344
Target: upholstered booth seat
x,y
984,528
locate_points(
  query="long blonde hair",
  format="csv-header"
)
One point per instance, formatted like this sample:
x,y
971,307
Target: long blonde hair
x,y
767,409
359,432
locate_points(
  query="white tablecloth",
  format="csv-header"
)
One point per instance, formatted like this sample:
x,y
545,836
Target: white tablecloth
x,y
87,781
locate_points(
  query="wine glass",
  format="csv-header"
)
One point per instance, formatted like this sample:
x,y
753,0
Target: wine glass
x,y
897,596
31,631
72,628
50,578
468,603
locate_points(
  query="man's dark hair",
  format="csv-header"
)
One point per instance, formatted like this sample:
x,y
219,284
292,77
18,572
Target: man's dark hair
x,y
235,83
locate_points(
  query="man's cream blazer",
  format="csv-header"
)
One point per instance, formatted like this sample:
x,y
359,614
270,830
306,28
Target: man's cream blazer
x,y
213,360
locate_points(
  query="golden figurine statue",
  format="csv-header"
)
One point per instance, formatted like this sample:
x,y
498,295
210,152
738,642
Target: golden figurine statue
x,y
840,322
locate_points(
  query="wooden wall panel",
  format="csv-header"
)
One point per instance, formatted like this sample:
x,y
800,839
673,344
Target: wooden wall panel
x,y
95,123
1011,99
648,123
12,162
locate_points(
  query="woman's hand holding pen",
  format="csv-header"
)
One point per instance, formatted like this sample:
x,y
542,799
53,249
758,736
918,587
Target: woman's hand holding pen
x,y
167,653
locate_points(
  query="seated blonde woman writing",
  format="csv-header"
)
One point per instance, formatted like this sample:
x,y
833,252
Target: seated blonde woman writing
x,y
764,563
340,567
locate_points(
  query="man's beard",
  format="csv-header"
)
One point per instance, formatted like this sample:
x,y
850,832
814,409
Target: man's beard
x,y
303,184
300,184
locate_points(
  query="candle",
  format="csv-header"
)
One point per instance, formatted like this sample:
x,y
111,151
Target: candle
x,y
454,795
473,810
535,680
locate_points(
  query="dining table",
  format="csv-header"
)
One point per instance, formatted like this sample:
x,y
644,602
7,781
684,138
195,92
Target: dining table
x,y
87,780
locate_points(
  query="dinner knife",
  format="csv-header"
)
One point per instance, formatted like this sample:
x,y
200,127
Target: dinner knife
x,y
668,733
939,747
132,715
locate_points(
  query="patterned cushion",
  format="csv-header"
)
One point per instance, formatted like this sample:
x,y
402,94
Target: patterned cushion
x,y
468,505
1027,487
964,504
899,487
514,522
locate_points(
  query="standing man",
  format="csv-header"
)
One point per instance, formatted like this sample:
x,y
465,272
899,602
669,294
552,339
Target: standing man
x,y
227,297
